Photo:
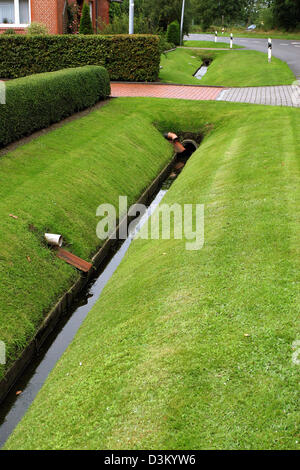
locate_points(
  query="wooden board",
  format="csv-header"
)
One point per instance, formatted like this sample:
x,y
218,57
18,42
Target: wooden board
x,y
74,260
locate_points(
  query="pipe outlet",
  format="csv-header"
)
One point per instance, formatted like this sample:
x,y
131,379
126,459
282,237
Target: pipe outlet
x,y
53,239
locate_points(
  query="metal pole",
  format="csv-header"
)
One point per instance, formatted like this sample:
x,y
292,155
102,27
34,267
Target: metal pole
x,y
181,24
131,16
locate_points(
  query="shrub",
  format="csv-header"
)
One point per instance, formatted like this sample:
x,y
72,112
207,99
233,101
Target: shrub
x,y
85,22
130,58
173,33
119,25
35,29
8,32
37,101
164,45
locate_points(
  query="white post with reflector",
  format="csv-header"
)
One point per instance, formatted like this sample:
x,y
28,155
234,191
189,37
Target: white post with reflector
x,y
231,40
216,36
269,50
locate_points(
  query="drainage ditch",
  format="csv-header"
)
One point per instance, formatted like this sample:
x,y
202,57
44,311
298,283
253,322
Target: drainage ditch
x,y
202,70
25,389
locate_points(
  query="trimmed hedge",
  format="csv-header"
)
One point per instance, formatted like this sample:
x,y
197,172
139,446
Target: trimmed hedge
x,y
37,101
126,57
173,33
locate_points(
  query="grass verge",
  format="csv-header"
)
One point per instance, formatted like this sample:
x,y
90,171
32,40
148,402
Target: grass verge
x,y
210,44
193,349
241,33
230,69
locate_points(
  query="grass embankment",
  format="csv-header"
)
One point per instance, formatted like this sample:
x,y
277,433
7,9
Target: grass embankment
x,y
193,349
242,33
54,184
230,69
210,45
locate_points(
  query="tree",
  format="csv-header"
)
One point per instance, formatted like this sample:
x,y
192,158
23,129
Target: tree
x,y
287,13
164,12
85,22
173,33
220,11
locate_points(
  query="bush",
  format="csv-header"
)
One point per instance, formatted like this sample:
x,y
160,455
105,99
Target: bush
x,y
85,22
173,33
35,29
267,19
8,32
164,45
129,58
37,101
119,25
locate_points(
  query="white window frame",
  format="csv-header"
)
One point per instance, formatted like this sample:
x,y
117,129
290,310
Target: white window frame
x,y
17,23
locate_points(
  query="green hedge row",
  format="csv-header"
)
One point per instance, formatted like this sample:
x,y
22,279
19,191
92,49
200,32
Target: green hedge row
x,y
128,58
37,101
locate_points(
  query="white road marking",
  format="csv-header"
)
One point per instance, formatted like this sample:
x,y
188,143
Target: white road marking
x,y
296,46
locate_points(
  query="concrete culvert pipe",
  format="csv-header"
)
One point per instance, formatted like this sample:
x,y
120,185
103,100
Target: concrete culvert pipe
x,y
54,239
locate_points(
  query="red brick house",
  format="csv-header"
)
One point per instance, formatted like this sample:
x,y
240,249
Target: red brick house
x,y
18,14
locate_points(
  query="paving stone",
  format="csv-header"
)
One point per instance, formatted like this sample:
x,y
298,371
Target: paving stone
x,y
287,95
165,91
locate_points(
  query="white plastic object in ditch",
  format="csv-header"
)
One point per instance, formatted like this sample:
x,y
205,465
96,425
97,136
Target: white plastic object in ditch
x,y
54,239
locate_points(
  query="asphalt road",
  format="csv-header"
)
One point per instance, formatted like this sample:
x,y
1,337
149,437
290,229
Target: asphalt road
x,y
288,51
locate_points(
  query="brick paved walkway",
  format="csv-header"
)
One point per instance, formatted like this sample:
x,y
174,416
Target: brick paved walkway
x,y
271,95
165,91
288,95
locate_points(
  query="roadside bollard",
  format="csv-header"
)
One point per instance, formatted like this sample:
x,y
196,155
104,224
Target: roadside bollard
x,y
231,40
216,36
269,50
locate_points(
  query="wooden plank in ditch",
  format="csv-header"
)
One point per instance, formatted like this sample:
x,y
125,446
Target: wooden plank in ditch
x,y
74,260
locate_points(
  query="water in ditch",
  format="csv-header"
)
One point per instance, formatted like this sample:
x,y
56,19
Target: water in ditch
x,y
201,72
35,376
16,404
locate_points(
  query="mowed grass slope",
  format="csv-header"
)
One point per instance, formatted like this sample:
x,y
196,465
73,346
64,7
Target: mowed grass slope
x,y
193,349
230,69
55,184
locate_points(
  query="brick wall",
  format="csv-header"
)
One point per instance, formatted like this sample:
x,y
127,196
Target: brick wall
x,y
45,11
50,13
103,10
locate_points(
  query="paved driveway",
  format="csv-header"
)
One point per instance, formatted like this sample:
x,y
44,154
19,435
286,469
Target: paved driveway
x,y
273,95
288,51
185,92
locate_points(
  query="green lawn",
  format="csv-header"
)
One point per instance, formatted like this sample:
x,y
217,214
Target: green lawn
x,y
230,69
54,184
242,33
189,349
210,44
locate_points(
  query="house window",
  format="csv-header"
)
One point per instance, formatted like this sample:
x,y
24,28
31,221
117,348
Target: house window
x,y
14,13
